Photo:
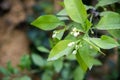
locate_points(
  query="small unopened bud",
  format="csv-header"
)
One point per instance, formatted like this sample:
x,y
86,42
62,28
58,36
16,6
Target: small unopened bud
x,y
92,32
71,44
54,35
74,52
71,33
76,34
74,29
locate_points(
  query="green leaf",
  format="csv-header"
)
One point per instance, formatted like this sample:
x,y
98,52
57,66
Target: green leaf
x,y
78,74
11,69
110,20
66,71
115,33
58,34
81,62
96,62
43,49
88,7
60,49
87,39
106,2
76,25
84,57
71,57
105,42
25,62
63,18
58,65
88,24
76,10
47,22
4,71
104,13
23,78
70,37
62,13
47,75
38,60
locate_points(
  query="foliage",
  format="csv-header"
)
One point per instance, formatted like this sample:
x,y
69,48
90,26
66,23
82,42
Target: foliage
x,y
82,44
73,40
12,73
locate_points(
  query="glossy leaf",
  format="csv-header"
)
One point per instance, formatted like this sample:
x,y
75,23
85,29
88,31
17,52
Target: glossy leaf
x,y
87,39
86,60
88,24
70,37
63,18
106,2
105,42
60,49
109,21
76,10
104,13
81,62
47,22
76,25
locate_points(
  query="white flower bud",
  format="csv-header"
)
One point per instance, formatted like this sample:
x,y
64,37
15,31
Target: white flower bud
x,y
76,34
71,44
71,33
74,52
74,29
54,35
92,32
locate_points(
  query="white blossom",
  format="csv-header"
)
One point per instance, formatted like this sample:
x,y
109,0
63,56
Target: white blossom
x,y
74,29
71,33
74,52
54,35
92,31
76,34
71,44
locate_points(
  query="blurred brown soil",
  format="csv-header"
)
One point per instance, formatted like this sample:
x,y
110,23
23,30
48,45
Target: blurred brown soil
x,y
13,42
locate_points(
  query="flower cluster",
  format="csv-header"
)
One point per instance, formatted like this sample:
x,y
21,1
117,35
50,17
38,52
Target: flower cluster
x,y
71,44
75,32
76,47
